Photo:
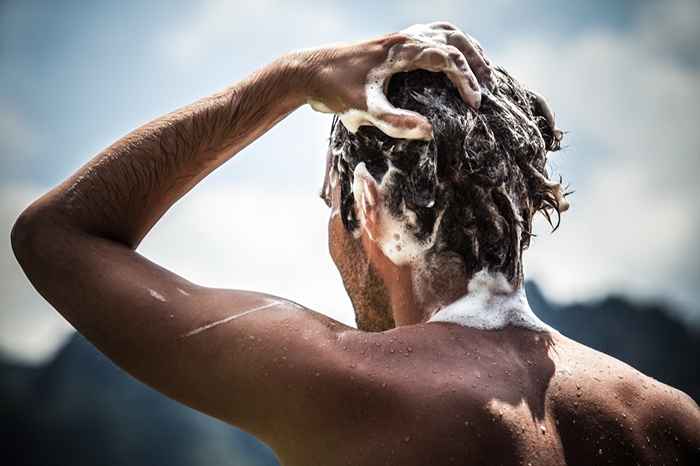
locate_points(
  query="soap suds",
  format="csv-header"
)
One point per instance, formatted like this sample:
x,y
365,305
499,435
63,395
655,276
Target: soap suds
x,y
397,243
228,319
491,304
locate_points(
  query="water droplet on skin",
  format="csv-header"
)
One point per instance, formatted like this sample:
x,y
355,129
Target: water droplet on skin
x,y
407,438
600,451
383,384
317,374
252,337
543,429
466,423
391,350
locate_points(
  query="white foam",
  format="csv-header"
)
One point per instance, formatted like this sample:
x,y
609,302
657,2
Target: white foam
x,y
392,234
491,304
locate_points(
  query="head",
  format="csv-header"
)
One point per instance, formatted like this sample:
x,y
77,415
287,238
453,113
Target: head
x,y
425,216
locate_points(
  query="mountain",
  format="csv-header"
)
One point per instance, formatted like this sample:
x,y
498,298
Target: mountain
x,y
645,336
80,409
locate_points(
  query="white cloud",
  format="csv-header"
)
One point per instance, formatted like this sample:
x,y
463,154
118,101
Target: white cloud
x,y
253,32
255,239
16,138
632,112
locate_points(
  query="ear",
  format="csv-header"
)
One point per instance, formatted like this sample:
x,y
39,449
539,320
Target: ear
x,y
368,198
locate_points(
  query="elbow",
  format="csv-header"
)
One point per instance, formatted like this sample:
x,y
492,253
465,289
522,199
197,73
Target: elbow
x,y
26,235
22,234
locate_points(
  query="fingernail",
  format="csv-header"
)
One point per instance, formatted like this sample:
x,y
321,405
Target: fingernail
x,y
477,101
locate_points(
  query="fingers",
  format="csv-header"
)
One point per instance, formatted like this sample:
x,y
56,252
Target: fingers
x,y
444,48
395,122
405,124
474,54
544,110
446,59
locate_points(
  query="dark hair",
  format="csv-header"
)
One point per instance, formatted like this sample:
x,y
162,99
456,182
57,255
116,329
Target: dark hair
x,y
485,169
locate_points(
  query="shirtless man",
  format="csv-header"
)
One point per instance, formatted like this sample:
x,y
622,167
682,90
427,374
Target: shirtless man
x,y
449,365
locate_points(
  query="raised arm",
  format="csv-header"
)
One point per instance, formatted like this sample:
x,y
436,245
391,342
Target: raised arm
x,y
241,356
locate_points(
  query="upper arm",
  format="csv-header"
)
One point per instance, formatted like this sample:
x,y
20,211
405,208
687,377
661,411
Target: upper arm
x,y
251,359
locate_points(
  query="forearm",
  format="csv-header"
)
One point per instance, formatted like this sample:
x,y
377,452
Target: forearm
x,y
123,191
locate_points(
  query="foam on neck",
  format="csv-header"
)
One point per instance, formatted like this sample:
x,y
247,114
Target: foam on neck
x,y
491,304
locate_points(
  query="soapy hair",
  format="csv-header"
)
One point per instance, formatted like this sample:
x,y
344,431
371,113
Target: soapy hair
x,y
484,170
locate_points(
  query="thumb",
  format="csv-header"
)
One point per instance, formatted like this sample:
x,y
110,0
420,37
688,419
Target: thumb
x,y
403,124
397,122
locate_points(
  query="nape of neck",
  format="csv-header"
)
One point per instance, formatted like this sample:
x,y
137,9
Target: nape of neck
x,y
491,303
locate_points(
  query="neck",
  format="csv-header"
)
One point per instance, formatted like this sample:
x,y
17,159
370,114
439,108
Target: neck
x,y
491,304
487,301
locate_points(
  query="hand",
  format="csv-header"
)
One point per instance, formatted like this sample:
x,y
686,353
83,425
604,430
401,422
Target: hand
x,y
351,80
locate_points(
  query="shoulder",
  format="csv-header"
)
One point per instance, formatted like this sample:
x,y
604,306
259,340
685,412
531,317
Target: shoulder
x,y
598,390
672,418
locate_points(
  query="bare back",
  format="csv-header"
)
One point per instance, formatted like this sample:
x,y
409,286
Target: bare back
x,y
441,394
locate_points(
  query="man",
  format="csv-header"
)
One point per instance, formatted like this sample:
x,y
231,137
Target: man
x,y
430,215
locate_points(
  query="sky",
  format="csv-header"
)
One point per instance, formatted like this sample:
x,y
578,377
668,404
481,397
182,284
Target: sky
x,y
623,78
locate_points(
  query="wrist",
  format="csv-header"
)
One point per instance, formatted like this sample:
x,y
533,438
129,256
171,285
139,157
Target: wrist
x,y
302,70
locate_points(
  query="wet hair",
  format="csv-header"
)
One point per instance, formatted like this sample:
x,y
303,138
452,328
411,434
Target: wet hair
x,y
483,175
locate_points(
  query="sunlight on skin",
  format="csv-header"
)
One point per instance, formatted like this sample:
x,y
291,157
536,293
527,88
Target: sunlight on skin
x,y
228,319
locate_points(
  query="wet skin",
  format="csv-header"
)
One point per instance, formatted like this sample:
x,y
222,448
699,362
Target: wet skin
x,y
441,394
319,392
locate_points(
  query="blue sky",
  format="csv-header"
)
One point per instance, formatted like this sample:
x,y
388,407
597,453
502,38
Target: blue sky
x,y
623,78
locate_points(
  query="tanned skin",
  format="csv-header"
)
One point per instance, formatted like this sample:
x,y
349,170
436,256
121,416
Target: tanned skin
x,y
317,391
